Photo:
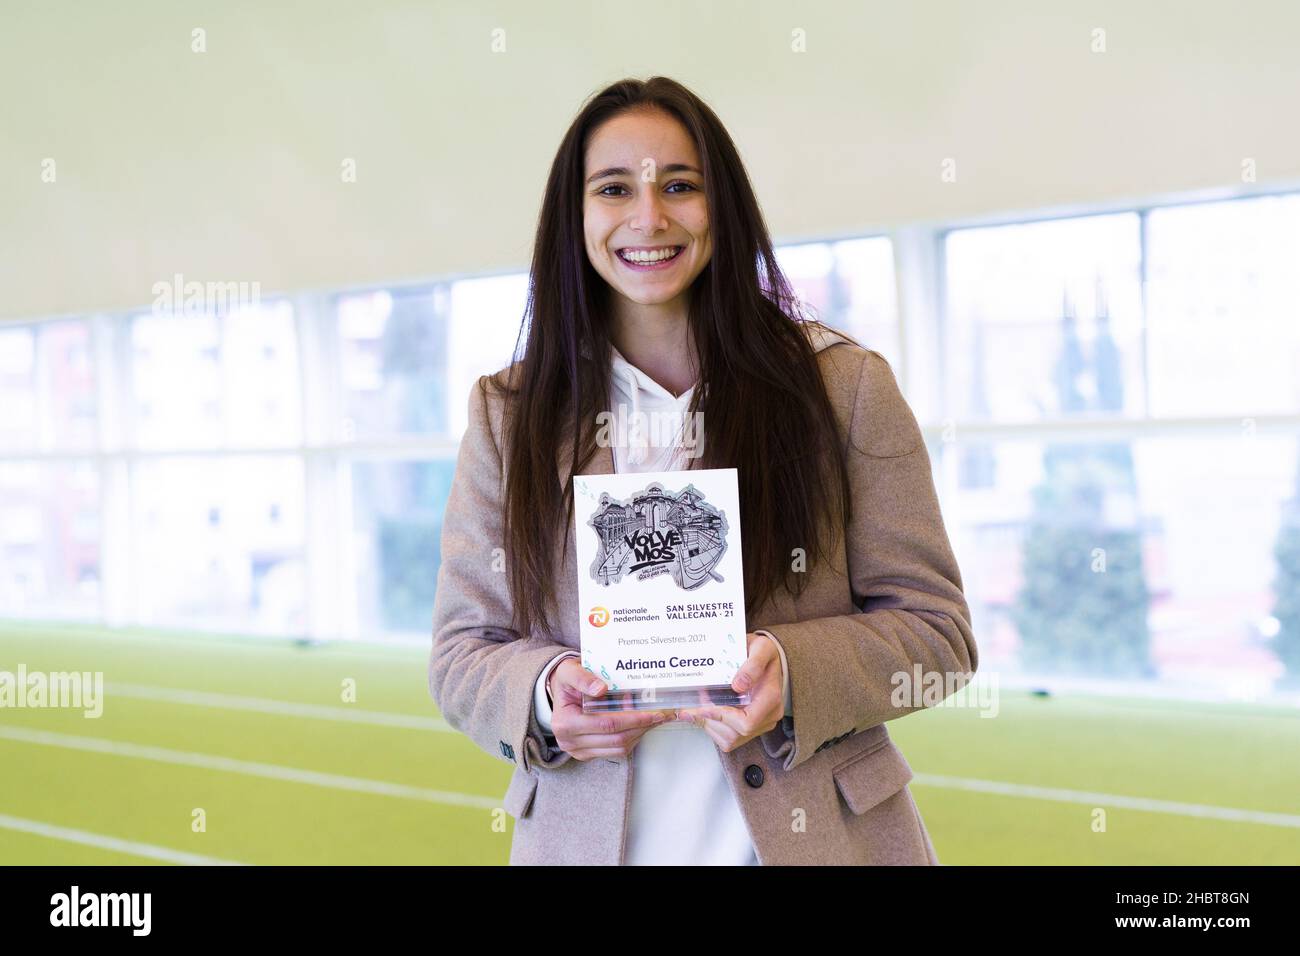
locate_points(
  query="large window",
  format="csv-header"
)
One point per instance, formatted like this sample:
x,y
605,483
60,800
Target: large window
x,y
408,360
397,540
1122,477
219,543
1224,308
1149,558
210,381
50,530
49,539
47,387
1026,302
850,285
393,359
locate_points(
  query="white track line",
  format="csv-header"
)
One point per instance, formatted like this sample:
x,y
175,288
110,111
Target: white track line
x,y
360,785
98,840
264,705
1201,810
186,758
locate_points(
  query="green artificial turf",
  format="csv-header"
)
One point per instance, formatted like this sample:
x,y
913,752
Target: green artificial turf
x,y
1238,756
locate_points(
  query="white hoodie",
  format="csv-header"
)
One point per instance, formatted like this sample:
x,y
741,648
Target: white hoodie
x,y
682,809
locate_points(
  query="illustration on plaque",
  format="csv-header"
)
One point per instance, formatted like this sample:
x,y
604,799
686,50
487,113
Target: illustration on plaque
x,y
656,532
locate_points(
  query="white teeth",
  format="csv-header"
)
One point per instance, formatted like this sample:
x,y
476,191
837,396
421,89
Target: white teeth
x,y
648,257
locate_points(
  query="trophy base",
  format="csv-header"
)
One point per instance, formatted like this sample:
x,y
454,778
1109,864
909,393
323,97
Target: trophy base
x,y
666,698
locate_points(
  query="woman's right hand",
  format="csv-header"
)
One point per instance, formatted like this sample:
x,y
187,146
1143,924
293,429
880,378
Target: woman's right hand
x,y
610,733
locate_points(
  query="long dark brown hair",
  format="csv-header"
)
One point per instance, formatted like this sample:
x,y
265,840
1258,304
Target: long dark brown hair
x,y
763,402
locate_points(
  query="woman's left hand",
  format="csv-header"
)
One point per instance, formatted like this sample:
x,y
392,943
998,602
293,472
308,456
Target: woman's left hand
x,y
732,727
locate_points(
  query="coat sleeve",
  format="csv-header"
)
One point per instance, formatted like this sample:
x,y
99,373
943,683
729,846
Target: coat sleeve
x,y
482,673
846,671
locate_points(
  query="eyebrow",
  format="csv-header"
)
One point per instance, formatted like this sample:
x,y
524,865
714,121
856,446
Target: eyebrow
x,y
624,171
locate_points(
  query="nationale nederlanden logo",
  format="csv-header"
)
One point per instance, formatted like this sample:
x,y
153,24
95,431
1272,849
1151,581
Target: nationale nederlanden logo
x,y
598,616
656,532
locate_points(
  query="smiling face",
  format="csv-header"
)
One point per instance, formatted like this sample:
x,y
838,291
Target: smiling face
x,y
645,219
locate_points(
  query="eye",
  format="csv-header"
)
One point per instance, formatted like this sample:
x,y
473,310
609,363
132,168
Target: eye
x,y
602,192
681,182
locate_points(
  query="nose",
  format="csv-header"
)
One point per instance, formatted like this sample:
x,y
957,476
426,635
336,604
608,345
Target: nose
x,y
648,216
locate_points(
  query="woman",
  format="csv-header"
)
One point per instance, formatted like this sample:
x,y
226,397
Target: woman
x,y
654,287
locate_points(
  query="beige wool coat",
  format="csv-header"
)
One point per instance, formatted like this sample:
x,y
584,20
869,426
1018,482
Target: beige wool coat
x,y
826,786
